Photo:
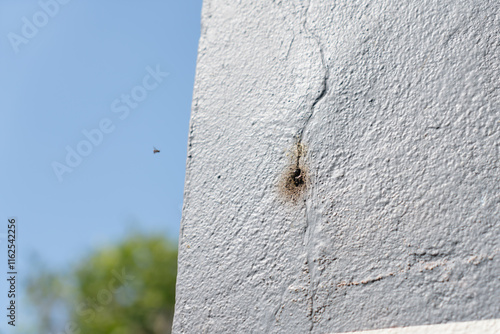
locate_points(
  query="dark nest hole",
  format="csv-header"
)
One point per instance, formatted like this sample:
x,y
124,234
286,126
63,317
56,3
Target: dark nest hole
x,y
293,183
295,177
298,178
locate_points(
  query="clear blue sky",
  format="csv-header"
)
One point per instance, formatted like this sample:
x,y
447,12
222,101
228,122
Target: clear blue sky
x,y
63,80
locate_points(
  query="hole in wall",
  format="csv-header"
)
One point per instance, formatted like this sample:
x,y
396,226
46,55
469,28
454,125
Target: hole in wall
x,y
294,179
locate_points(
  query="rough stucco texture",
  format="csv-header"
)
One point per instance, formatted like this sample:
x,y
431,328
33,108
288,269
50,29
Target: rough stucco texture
x,y
391,112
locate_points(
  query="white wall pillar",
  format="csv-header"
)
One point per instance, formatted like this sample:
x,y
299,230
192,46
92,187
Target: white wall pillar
x,y
343,169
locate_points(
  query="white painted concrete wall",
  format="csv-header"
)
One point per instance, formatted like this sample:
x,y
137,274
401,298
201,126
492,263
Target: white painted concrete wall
x,y
343,167
468,327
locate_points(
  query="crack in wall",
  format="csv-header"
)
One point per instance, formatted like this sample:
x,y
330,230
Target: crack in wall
x,y
426,266
294,183
312,218
310,226
290,47
324,83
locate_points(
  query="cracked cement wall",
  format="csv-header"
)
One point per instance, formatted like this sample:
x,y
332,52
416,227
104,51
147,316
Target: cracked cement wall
x,y
343,167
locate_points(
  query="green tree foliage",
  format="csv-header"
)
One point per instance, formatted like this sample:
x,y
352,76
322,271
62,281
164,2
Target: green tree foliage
x,y
126,289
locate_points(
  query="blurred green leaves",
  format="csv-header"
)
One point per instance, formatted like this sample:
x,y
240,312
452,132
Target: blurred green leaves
x,y
125,289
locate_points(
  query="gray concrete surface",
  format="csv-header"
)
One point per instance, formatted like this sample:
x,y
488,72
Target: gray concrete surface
x,y
468,327
343,167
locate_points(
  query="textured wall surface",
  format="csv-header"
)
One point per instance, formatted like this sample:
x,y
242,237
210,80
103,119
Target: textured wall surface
x,y
469,327
343,167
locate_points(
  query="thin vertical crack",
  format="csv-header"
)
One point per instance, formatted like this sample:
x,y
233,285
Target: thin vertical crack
x,y
290,47
324,82
310,228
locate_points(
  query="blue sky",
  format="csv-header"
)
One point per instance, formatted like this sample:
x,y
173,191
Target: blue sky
x,y
61,79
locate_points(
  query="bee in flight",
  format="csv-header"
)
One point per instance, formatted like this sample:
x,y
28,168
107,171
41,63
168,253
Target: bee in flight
x,y
155,150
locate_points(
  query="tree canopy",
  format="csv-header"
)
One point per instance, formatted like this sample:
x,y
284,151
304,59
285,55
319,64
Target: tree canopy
x,y
125,289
